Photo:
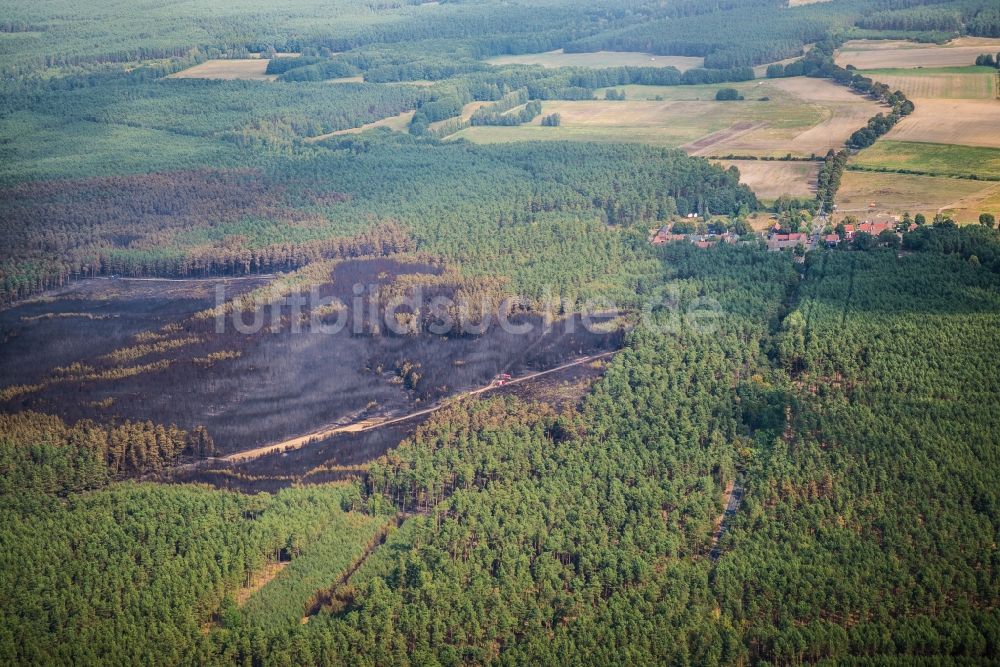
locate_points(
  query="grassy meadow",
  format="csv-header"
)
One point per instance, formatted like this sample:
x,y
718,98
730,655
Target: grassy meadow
x,y
930,159
971,83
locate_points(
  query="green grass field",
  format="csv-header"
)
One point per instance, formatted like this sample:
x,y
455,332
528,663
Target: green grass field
x,y
940,82
933,159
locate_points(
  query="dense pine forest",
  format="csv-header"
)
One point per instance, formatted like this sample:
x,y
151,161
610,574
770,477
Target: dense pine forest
x,y
757,458
851,395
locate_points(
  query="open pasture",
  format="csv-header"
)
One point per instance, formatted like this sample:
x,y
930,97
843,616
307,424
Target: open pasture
x,y
972,83
599,59
771,179
878,54
778,117
247,69
961,122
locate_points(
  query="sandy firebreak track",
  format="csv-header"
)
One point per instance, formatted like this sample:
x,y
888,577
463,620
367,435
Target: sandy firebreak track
x,y
210,279
372,424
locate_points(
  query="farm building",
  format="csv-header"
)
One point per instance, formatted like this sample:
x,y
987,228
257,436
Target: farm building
x,y
787,241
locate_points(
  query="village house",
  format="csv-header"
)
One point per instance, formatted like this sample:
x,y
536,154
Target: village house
x,y
874,226
665,235
787,241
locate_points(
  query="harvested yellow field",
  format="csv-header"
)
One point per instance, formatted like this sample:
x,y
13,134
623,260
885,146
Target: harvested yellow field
x,y
661,123
771,179
796,115
899,193
838,111
960,122
880,54
972,83
967,209
249,69
599,59
398,123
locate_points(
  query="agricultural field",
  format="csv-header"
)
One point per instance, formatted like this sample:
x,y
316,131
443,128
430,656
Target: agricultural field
x,y
599,59
771,178
931,159
863,193
882,54
799,116
968,83
248,69
966,210
958,122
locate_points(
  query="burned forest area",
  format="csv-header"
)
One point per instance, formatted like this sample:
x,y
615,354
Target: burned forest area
x,y
282,380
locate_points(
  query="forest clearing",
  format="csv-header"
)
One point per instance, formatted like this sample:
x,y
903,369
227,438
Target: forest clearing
x,y
599,59
397,123
246,69
350,380
347,454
